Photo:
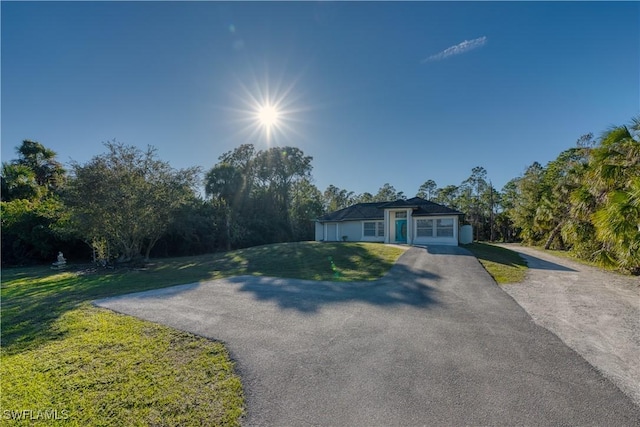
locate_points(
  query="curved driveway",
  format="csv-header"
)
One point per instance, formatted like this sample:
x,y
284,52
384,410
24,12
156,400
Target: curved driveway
x,y
435,342
595,312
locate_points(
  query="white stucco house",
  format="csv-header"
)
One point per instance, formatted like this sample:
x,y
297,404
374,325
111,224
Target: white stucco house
x,y
414,221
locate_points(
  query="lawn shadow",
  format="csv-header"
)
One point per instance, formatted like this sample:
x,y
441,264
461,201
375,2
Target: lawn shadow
x,y
541,264
403,284
319,261
34,299
30,310
531,261
496,254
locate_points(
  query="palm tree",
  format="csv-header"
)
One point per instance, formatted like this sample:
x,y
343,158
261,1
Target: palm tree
x,y
48,171
617,224
579,231
561,177
613,176
19,182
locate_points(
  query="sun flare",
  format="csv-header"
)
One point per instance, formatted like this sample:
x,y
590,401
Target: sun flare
x,y
268,116
270,110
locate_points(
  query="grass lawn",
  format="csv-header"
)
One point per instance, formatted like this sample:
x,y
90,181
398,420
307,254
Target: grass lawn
x,y
504,265
90,366
103,368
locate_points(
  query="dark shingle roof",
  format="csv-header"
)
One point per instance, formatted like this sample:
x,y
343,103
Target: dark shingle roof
x,y
426,208
356,212
375,210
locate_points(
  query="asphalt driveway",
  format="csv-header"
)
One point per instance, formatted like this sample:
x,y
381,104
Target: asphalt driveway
x,y
435,342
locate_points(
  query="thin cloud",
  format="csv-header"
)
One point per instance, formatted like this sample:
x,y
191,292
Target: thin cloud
x,y
458,49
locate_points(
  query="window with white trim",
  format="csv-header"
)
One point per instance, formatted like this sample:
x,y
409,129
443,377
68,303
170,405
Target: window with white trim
x,y
373,229
444,227
424,228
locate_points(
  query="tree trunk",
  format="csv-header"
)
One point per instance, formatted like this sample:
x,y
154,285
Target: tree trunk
x,y
554,233
228,227
150,246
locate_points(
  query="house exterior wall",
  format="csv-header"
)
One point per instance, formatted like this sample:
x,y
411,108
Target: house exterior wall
x,y
351,229
334,231
354,230
380,226
331,232
319,231
434,239
390,225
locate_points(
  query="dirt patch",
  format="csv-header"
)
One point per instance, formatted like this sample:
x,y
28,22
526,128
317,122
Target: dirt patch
x,y
596,313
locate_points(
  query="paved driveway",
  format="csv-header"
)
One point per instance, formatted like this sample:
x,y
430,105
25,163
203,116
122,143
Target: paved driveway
x,y
597,313
435,342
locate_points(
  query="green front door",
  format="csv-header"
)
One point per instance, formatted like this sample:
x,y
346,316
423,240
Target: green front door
x,y
401,230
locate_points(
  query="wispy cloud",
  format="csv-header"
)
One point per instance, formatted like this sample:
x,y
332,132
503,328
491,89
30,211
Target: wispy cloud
x,y
458,49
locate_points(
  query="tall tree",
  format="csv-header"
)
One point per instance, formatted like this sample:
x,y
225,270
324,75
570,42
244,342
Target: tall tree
x,y
448,196
242,158
225,183
586,200
127,197
277,170
530,192
614,175
34,219
263,196
35,172
335,198
42,161
427,190
365,197
508,199
388,193
561,177
491,198
279,167
306,206
472,203
19,182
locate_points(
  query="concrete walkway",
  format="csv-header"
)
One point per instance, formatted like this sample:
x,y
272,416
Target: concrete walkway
x,y
435,342
596,313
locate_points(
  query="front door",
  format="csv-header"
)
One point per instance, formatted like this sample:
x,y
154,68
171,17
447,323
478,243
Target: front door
x,y
401,230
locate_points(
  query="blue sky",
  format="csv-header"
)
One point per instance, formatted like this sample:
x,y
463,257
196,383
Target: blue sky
x,y
376,92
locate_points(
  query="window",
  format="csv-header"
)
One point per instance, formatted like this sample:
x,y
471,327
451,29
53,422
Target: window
x,y
369,229
373,229
444,227
401,215
424,228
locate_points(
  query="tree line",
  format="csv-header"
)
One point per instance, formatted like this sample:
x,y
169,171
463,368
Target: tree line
x,y
126,204
587,200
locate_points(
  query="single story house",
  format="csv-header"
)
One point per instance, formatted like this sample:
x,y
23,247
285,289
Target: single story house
x,y
414,221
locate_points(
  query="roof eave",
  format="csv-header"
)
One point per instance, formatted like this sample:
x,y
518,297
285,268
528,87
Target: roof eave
x,y
350,219
438,214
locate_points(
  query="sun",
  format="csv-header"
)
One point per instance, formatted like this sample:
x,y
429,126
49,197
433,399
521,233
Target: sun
x,y
268,116
269,110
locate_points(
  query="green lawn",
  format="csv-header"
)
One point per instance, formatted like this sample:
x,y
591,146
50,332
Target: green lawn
x,y
504,265
96,367
103,368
